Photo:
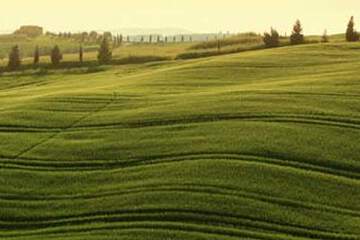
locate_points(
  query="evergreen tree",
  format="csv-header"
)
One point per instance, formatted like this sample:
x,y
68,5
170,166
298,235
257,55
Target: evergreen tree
x,y
81,54
174,39
158,39
36,56
324,37
120,39
105,54
166,39
297,37
56,56
182,38
150,39
351,34
14,58
218,45
271,39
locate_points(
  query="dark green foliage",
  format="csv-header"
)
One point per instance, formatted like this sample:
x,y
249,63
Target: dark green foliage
x,y
105,54
297,37
14,58
351,33
158,39
271,39
36,56
150,39
81,54
219,45
56,56
120,40
324,37
107,35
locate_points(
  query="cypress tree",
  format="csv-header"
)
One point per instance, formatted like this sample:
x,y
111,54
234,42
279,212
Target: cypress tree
x,y
351,34
297,37
56,55
218,45
36,56
14,58
81,54
105,54
121,39
150,39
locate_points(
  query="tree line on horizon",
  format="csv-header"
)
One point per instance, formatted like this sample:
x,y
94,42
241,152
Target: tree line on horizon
x,y
271,39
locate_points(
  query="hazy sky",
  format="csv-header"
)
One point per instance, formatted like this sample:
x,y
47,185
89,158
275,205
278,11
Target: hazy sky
x,y
194,15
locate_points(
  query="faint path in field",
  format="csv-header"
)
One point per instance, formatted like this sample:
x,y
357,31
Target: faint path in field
x,y
27,150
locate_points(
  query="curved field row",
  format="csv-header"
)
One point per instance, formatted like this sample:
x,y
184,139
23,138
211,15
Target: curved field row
x,y
257,145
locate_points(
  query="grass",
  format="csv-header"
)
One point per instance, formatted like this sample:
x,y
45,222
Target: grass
x,y
256,145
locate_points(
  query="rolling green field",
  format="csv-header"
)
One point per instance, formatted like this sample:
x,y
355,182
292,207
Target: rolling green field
x,y
257,145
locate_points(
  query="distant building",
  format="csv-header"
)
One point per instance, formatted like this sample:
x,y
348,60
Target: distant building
x,y
30,31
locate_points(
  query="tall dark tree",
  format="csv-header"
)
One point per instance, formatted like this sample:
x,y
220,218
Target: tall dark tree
x,y
166,39
218,45
297,37
120,39
150,39
158,39
105,54
56,56
182,38
14,58
351,34
36,56
81,54
271,39
174,39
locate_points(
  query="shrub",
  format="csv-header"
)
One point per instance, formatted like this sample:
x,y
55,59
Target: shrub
x,y
324,37
14,58
56,56
271,39
105,54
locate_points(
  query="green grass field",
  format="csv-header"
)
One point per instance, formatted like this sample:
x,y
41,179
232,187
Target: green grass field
x,y
257,145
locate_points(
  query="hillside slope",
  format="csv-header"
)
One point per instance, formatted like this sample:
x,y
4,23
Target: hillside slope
x,y
257,145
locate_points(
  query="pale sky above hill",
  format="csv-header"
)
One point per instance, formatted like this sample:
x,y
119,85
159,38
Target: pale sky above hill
x,y
193,15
